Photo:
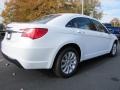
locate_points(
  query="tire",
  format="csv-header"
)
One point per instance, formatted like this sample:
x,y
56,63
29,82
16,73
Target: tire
x,y
66,62
113,51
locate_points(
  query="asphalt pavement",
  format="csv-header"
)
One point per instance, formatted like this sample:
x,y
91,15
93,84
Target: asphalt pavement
x,y
101,73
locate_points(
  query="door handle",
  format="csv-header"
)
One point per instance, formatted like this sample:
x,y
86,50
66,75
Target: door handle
x,y
78,31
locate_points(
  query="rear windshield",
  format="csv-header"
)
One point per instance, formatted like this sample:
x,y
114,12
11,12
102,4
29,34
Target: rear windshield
x,y
45,19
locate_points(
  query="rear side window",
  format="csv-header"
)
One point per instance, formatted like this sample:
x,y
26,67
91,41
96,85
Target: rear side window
x,y
82,23
45,19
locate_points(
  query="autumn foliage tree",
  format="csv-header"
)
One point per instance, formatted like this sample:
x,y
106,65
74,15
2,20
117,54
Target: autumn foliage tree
x,y
26,10
93,8
115,22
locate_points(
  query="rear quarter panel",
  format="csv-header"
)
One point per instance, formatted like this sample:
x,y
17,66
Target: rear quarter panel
x,y
59,37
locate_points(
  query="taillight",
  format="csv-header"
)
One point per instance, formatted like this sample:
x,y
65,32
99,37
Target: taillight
x,y
34,33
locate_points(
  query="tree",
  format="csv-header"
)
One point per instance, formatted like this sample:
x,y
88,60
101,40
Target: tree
x,y
115,22
24,10
91,7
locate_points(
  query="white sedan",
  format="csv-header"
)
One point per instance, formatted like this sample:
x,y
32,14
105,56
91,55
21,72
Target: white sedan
x,y
58,42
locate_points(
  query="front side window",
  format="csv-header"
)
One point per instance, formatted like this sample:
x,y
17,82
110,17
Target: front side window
x,y
81,23
99,26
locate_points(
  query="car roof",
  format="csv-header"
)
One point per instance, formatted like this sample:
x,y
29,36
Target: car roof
x,y
74,14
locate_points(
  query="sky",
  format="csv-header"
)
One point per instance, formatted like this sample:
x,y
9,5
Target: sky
x,y
1,8
110,8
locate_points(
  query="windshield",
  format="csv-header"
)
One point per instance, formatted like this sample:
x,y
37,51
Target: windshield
x,y
45,19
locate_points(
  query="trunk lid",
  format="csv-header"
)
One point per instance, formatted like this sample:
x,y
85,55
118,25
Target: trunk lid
x,y
14,30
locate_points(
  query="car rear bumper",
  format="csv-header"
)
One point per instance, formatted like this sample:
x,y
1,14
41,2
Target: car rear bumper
x,y
12,61
28,58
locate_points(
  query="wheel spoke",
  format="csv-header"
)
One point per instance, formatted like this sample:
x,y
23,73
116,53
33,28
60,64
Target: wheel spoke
x,y
68,69
63,65
72,56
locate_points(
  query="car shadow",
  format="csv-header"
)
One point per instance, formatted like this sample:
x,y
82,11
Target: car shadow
x,y
83,66
93,63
